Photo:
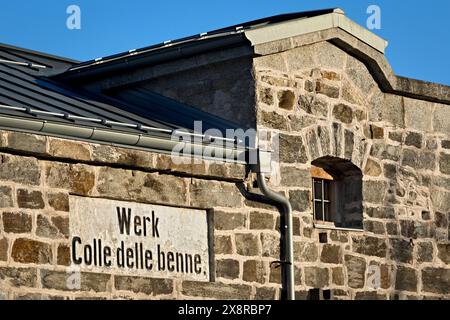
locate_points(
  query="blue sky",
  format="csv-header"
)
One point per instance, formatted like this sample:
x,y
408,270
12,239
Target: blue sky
x,y
418,31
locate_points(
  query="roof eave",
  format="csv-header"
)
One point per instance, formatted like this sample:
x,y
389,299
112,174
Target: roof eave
x,y
124,139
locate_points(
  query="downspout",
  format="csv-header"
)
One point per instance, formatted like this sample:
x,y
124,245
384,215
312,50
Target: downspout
x,y
284,206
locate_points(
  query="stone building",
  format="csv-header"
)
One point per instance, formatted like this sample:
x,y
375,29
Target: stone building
x,y
363,158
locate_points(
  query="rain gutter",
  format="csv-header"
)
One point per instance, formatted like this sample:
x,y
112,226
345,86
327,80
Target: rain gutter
x,y
121,138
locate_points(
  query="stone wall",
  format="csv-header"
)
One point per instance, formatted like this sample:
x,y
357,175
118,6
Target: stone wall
x,y
324,102
224,89
37,176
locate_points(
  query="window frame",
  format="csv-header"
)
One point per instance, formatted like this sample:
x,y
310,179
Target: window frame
x,y
319,174
326,214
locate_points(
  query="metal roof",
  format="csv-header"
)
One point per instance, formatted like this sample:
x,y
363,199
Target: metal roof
x,y
34,53
54,64
31,102
33,96
27,92
235,30
253,33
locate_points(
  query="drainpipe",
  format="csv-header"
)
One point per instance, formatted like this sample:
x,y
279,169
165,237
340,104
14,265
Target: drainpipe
x,y
264,167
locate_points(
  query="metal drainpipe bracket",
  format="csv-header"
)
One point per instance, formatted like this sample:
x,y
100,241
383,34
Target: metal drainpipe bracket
x,y
277,264
264,163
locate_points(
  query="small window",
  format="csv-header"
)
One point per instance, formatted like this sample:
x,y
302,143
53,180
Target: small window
x,y
322,199
322,183
337,193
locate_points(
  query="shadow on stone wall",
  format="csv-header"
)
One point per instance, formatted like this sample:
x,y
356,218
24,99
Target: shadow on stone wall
x,y
346,191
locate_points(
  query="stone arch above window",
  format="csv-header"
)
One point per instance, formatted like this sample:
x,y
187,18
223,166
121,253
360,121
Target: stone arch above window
x,y
337,193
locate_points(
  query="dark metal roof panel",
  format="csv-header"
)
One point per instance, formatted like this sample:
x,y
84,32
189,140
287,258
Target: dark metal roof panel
x,y
25,88
58,99
211,35
17,91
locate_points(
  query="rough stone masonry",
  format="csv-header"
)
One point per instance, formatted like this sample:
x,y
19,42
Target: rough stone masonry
x,y
325,94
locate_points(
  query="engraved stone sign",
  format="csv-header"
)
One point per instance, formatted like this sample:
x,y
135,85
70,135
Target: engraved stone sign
x,y
136,239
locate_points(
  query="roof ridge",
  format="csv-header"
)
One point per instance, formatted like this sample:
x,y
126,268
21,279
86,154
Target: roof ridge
x,y
226,30
38,53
